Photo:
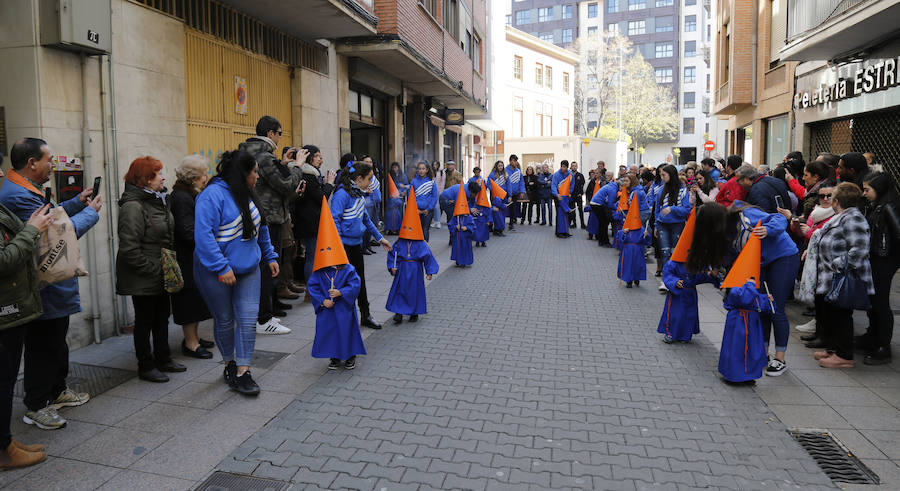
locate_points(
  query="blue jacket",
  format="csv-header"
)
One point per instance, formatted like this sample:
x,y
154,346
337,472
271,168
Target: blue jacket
x,y
426,193
218,233
678,212
558,177
351,218
59,299
778,242
607,195
714,175
764,190
374,192
544,181
502,180
516,183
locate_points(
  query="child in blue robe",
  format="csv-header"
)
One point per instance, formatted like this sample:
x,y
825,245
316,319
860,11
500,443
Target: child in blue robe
x,y
498,216
410,262
680,319
461,229
632,267
333,291
743,355
392,215
481,215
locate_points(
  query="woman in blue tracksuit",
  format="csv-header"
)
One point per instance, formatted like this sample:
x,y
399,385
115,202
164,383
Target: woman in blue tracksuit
x,y
671,208
230,239
426,196
348,208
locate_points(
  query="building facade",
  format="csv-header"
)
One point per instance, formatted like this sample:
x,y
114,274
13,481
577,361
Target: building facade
x,y
553,21
174,78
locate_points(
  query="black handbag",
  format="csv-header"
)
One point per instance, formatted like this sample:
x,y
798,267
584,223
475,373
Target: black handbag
x,y
848,291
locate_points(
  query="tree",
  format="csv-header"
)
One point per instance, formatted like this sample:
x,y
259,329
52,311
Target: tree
x,y
596,79
647,108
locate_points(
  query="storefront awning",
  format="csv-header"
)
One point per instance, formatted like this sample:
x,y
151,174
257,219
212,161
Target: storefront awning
x,y
485,124
313,19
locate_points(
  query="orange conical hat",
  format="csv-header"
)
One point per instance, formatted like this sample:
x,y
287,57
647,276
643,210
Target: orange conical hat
x,y
411,227
497,191
461,207
680,253
565,187
747,264
481,198
623,199
393,192
597,187
329,249
633,218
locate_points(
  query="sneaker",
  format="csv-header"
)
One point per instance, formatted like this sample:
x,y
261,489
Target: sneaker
x,y
663,287
70,398
271,327
350,364
668,339
808,327
230,372
45,419
335,364
246,385
776,367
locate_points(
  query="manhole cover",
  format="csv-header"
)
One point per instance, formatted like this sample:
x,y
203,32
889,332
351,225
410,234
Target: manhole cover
x,y
838,463
266,359
225,481
92,379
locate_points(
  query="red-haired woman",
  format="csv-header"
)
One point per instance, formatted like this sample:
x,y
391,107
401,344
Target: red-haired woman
x,y
146,226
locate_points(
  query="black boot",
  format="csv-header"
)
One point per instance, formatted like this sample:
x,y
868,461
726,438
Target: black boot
x,y
398,318
878,356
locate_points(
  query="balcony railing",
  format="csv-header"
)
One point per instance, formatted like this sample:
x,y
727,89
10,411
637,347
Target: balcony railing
x,y
707,5
706,105
706,55
805,15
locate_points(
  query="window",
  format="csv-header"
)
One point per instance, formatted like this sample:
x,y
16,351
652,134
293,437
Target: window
x,y
665,23
665,3
690,48
476,53
548,77
690,2
777,138
545,14
566,82
610,7
690,100
567,11
539,74
592,57
566,35
430,6
663,50
636,27
509,20
592,10
538,119
517,68
451,18
565,121
688,126
523,17
636,4
546,36
592,81
547,126
708,79
690,74
592,103
467,44
592,31
726,61
612,28
518,124
663,75
690,23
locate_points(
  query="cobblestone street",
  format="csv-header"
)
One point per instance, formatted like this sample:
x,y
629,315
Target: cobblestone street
x,y
532,369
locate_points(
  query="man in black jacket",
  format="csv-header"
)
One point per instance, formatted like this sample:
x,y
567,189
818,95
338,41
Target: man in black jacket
x,y
577,195
308,206
762,190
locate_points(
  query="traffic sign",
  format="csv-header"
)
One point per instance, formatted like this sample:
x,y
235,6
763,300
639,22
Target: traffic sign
x,y
709,146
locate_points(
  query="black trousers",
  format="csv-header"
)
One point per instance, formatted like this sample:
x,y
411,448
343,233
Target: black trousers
x,y
12,341
355,255
531,205
425,221
514,213
603,219
838,332
151,317
881,317
577,202
46,361
266,281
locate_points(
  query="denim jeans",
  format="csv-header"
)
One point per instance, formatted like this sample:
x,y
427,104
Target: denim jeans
x,y
779,276
669,233
546,210
234,310
436,212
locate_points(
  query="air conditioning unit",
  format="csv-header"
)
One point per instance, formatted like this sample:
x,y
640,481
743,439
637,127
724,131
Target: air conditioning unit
x,y
77,25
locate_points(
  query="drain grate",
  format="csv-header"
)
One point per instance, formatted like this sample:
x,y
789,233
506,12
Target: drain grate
x,y
226,481
92,379
838,463
266,359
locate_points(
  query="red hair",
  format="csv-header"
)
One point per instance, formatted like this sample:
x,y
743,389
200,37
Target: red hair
x,y
142,171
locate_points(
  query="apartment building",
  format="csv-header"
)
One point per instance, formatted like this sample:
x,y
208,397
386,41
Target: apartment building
x,y
553,21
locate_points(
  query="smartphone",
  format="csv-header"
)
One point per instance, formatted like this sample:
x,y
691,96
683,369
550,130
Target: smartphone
x,y
779,202
96,189
48,194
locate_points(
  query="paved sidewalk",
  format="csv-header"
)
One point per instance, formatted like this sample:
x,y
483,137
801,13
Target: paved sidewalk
x,y
531,370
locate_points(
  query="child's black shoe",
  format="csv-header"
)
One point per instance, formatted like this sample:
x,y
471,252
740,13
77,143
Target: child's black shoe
x,y
413,318
350,364
398,318
335,364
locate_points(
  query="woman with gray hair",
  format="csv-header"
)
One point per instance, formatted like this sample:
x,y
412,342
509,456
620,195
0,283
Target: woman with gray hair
x,y
188,307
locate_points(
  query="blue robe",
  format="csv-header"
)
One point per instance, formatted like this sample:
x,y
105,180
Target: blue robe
x,y
632,264
680,318
461,240
482,219
593,223
337,328
413,260
743,356
498,214
562,215
393,215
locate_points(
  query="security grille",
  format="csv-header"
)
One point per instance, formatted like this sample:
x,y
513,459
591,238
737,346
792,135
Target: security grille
x,y
838,463
227,481
872,132
266,359
92,379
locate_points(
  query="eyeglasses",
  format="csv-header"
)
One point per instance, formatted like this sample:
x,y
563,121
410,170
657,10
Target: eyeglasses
x,y
279,132
824,196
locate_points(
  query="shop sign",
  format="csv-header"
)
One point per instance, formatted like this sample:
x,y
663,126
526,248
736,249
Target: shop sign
x,y
240,95
848,81
455,117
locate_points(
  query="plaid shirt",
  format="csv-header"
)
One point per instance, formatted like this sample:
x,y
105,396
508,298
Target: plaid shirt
x,y
844,240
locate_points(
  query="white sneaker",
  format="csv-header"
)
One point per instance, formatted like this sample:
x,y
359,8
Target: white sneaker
x,y
808,327
438,226
271,327
663,287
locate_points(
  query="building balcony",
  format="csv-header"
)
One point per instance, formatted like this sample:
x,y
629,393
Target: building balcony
x,y
706,105
731,100
706,54
314,19
829,30
707,5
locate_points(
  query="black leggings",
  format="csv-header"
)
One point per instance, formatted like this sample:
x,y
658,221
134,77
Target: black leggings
x,y
881,317
355,255
12,340
151,317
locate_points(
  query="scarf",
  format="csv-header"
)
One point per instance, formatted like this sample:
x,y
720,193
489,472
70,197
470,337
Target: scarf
x,y
820,213
159,194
